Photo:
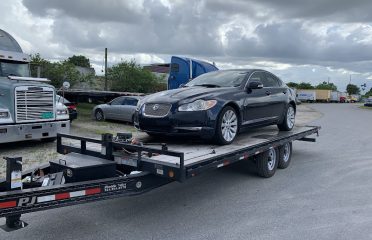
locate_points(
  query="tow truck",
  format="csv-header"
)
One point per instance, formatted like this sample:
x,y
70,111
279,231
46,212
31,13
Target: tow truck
x,y
116,166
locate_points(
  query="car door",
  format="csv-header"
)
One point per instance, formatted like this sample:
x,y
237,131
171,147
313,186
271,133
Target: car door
x,y
278,95
112,108
127,109
256,101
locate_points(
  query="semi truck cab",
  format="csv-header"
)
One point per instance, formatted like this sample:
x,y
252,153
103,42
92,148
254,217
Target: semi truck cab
x,y
28,108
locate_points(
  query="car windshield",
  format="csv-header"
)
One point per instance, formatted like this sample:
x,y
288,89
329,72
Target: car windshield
x,y
19,69
219,79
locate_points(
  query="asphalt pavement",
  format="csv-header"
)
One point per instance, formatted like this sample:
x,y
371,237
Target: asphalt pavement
x,y
326,193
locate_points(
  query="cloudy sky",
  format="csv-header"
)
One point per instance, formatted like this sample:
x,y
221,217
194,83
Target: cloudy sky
x,y
311,41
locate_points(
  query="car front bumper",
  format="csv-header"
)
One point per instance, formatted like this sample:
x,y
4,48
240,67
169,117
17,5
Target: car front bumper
x,y
201,123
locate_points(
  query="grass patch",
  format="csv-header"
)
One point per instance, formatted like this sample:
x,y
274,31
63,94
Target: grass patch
x,y
364,107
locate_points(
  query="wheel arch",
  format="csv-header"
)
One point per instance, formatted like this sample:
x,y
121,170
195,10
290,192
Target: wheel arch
x,y
237,110
292,102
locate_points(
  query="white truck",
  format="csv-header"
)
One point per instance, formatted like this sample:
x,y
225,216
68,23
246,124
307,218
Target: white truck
x,y
335,96
306,95
28,108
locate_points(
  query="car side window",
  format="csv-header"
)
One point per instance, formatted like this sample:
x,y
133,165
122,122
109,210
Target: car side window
x,y
117,101
256,77
130,102
270,81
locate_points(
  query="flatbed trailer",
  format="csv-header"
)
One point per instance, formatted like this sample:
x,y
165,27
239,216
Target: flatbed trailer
x,y
140,166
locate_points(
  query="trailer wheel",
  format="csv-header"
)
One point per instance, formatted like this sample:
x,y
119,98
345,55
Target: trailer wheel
x,y
285,155
267,163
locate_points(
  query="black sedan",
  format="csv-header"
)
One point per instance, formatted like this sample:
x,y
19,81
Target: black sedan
x,y
217,105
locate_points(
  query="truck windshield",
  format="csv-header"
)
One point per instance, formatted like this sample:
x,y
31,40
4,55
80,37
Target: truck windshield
x,y
9,68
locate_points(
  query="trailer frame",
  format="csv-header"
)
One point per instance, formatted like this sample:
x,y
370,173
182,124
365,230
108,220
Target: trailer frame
x,y
147,175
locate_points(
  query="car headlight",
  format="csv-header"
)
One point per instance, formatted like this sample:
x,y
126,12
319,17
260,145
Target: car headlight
x,y
4,114
198,105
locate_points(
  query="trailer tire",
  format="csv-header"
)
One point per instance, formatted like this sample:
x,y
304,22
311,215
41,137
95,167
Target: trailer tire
x,y
267,162
285,155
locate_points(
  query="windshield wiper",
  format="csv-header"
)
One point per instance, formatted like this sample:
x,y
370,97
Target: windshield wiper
x,y
208,85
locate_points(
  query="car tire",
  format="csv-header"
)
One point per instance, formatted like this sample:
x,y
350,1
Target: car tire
x,y
99,115
267,162
288,121
285,155
227,127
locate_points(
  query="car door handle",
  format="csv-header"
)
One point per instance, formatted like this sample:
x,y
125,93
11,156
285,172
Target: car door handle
x,y
268,92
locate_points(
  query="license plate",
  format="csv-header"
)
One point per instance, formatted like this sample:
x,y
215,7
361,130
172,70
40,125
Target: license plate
x,y
47,115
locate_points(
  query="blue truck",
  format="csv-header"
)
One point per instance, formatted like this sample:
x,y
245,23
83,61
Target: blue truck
x,y
184,69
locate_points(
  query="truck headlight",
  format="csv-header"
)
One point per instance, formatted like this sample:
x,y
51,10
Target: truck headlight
x,y
4,114
198,105
62,112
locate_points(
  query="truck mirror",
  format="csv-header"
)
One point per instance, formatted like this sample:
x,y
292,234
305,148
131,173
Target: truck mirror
x,y
66,85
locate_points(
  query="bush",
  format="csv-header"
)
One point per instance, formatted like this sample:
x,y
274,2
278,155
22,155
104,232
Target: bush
x,y
129,77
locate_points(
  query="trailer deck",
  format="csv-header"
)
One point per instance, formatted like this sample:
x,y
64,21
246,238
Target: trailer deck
x,y
141,166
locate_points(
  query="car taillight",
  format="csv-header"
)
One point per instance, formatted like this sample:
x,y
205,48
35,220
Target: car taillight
x,y
73,107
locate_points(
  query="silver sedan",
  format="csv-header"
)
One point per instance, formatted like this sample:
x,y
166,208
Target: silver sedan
x,y
121,108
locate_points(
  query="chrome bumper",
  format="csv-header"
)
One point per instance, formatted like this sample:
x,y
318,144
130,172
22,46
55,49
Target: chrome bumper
x,y
32,131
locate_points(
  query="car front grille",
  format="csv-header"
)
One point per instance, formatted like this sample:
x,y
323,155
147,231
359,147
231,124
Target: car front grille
x,y
156,109
34,104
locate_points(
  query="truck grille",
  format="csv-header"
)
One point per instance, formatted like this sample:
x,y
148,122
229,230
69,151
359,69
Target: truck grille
x,y
34,104
156,109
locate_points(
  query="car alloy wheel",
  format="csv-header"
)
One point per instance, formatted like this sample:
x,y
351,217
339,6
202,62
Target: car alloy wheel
x,y
290,117
229,125
99,115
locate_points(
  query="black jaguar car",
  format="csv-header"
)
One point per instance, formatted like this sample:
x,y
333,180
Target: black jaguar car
x,y
217,105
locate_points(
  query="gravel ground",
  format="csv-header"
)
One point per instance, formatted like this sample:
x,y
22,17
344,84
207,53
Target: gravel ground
x,y
35,152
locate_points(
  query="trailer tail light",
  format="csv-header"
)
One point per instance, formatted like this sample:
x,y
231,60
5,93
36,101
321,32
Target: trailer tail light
x,y
171,174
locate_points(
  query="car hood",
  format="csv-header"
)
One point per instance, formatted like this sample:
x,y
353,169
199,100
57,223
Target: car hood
x,y
186,94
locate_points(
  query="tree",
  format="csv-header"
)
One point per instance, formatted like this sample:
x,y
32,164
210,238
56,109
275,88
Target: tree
x,y
304,85
368,94
80,61
292,85
57,72
352,89
326,86
130,77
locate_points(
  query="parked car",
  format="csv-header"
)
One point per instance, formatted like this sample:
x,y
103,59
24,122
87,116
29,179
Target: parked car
x,y
72,111
121,108
218,104
368,102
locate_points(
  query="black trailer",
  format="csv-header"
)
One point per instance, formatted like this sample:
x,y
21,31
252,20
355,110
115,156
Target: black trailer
x,y
91,170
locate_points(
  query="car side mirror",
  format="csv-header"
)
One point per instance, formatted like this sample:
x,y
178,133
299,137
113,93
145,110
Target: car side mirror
x,y
255,85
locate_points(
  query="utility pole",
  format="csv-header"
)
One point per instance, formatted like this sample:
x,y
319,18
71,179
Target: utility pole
x,y
105,69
